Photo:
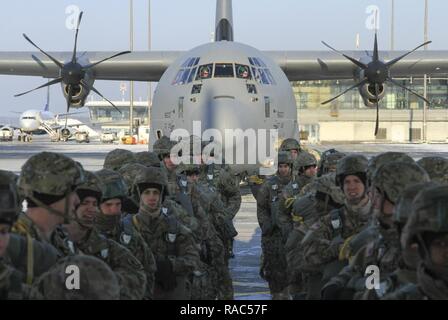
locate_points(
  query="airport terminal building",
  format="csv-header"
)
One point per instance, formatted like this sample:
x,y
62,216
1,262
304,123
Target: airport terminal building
x,y
347,119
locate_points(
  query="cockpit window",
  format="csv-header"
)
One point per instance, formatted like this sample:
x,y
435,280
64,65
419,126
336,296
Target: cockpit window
x,y
187,71
242,71
224,70
205,72
261,72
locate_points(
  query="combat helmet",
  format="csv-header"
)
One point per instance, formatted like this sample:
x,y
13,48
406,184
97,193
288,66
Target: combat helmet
x,y
303,160
97,281
351,165
285,158
150,178
162,147
436,167
328,161
391,179
147,158
383,158
9,198
429,217
117,158
48,177
114,185
290,144
91,187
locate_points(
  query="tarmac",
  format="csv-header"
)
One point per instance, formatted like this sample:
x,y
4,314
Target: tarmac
x,y
245,265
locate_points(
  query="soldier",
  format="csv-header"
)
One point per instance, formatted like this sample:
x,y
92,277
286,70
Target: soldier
x,y
162,148
388,183
322,242
428,228
221,179
306,210
305,164
147,158
89,241
111,192
292,146
406,272
48,182
207,207
272,244
436,167
96,281
117,158
328,161
383,158
171,242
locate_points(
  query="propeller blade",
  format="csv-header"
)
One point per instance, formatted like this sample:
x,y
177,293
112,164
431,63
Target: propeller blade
x,y
375,49
39,87
60,65
405,88
76,37
68,99
377,123
356,62
86,86
101,61
363,82
394,61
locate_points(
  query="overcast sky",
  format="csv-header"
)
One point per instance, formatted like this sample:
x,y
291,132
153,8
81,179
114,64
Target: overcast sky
x,y
185,24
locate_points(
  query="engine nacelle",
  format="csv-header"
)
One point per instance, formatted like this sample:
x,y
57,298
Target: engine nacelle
x,y
65,133
367,92
79,94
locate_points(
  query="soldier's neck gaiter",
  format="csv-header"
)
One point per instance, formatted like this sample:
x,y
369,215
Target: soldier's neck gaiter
x,y
146,210
107,223
434,288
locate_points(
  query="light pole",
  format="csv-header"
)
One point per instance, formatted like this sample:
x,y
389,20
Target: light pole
x,y
149,49
131,47
425,89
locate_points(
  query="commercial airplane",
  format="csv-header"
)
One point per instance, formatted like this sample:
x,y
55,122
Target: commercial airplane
x,y
224,84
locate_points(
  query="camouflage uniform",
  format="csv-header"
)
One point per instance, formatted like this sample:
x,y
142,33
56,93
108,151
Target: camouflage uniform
x,y
292,190
96,281
322,197
390,179
121,230
436,167
46,178
323,241
172,244
117,158
272,243
428,220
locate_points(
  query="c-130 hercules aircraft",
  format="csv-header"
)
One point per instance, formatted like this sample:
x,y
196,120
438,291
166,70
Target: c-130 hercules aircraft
x,y
224,84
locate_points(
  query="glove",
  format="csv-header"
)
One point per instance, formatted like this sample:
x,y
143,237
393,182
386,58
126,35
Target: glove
x,y
165,276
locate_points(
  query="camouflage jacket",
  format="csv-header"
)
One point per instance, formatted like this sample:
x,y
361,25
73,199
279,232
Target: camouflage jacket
x,y
226,183
180,249
325,238
289,194
129,237
127,268
268,199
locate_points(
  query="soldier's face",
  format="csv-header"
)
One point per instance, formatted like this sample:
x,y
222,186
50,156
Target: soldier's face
x,y
310,171
439,251
284,169
4,238
111,207
73,202
168,163
294,154
151,198
353,189
192,177
87,210
383,208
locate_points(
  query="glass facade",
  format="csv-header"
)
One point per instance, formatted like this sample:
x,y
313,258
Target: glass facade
x,y
310,94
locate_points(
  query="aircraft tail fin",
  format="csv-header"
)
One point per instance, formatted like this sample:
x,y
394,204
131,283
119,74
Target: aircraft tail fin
x,y
224,20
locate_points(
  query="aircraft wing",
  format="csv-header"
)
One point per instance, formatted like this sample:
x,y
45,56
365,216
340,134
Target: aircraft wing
x,y
327,65
138,66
